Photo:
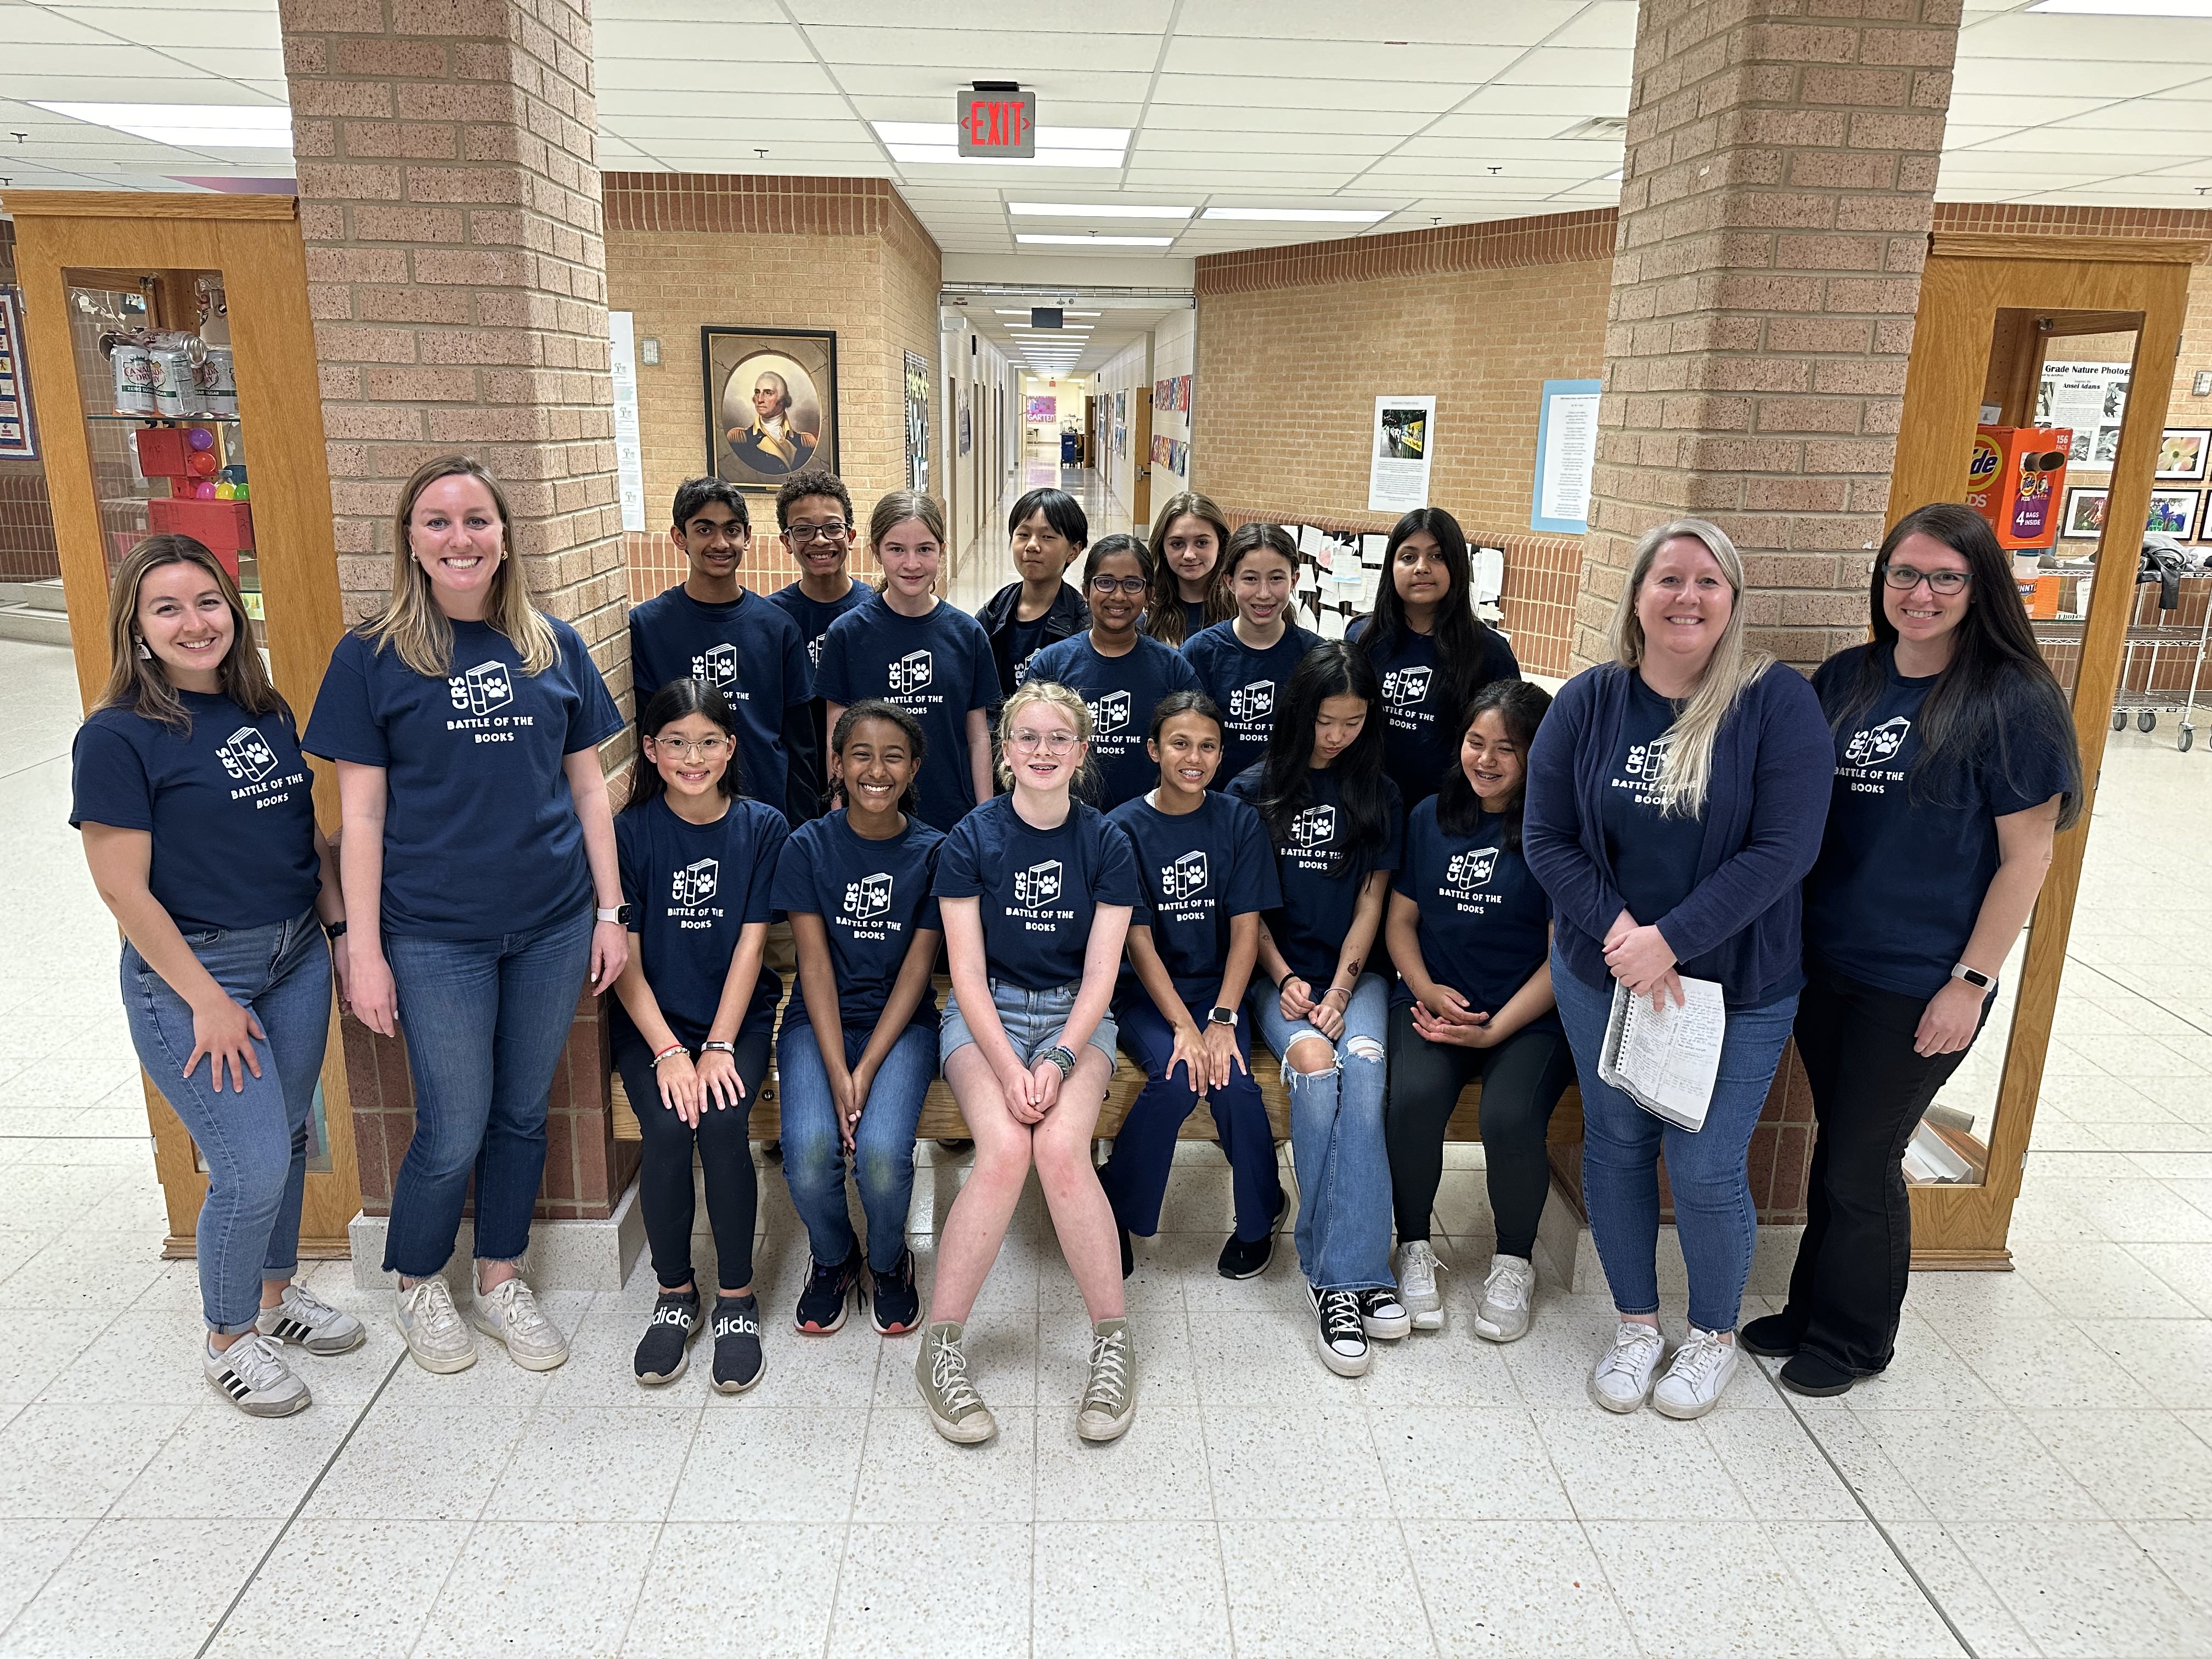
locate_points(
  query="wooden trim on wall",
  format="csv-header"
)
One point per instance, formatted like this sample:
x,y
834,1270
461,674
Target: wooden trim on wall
x,y
195,206
2099,250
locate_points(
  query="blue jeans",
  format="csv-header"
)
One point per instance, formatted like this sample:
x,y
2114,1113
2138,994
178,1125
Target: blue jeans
x,y
255,1144
485,1021
883,1141
1336,1139
1033,1021
1706,1171
1135,1176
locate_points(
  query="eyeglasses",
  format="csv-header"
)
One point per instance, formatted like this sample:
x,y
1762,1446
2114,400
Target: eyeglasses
x,y
1948,583
684,748
800,534
1053,743
1133,585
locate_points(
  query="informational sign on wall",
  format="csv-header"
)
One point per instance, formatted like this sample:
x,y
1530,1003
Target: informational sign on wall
x,y
1567,451
917,423
1399,450
2089,399
19,439
629,453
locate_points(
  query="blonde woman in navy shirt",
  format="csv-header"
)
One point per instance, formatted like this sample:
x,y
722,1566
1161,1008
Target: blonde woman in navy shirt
x,y
1035,890
199,822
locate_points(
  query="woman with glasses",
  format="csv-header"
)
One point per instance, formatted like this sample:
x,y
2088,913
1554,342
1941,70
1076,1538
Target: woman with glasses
x,y
1046,532
1955,765
1118,671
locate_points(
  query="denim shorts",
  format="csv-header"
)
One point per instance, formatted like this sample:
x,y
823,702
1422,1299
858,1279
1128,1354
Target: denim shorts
x,y
1033,1020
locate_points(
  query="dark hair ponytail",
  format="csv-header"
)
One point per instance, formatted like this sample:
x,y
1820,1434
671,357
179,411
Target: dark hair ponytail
x,y
676,701
1330,670
876,708
1520,707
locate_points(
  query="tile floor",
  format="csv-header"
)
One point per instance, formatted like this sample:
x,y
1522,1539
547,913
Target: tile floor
x,y
2033,1477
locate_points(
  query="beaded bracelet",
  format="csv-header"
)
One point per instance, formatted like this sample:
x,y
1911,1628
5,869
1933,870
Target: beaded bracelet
x,y
673,1048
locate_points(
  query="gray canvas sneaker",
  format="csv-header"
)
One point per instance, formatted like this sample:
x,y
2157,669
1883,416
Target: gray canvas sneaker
x,y
940,1372
1109,1397
311,1322
251,1373
434,1333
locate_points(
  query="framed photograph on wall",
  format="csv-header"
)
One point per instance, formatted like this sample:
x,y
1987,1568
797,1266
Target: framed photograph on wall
x,y
2085,513
770,396
2182,452
2173,513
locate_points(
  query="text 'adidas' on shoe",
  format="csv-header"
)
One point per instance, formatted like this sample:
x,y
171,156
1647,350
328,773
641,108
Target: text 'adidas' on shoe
x,y
309,1322
251,1373
738,1363
1621,1379
665,1351
508,1312
434,1330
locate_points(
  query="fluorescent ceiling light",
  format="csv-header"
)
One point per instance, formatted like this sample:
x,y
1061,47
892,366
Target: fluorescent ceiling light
x,y
2129,8
194,126
939,142
1087,210
1615,175
1102,242
1303,215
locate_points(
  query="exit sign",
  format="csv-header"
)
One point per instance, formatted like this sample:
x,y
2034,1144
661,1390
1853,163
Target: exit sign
x,y
997,122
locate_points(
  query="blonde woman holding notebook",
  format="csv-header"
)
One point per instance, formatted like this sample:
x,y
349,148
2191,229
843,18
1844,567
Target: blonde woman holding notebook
x,y
1675,800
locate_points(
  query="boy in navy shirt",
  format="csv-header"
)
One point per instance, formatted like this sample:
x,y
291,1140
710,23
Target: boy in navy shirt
x,y
814,515
711,629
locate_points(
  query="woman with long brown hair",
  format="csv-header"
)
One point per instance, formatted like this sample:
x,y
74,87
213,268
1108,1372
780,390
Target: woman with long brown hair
x,y
1189,537
465,724
198,821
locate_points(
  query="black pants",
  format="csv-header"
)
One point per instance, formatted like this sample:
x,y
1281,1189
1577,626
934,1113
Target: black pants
x,y
1869,1090
726,1154
1522,1079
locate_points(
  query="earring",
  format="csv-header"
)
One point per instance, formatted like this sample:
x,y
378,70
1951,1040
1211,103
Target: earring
x,y
144,655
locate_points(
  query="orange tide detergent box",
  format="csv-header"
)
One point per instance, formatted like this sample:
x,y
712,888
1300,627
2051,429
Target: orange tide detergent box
x,y
2016,479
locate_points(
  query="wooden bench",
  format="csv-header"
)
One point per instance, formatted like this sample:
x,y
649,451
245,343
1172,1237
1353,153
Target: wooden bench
x,y
941,1118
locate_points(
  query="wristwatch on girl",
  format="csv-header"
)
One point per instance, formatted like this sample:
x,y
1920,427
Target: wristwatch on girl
x,y
1973,977
621,913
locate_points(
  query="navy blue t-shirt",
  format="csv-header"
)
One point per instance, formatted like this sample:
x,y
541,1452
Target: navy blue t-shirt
x,y
1655,858
1901,878
750,648
1247,685
814,617
1485,925
695,886
1320,878
938,668
1039,888
1016,644
229,804
1419,745
1122,693
873,897
1199,870
481,836
1193,618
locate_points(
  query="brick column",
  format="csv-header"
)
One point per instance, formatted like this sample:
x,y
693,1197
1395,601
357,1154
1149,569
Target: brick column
x,y
1774,216
449,199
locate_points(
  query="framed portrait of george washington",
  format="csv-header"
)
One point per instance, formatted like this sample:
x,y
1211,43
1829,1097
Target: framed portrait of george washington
x,y
770,395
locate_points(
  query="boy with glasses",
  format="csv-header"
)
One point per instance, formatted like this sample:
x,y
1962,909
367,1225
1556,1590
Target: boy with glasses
x,y
814,512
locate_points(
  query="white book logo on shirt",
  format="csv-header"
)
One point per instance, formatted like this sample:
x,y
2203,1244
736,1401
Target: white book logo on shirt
x,y
480,689
1877,743
1110,712
910,672
1315,827
1038,885
1647,760
246,756
868,897
1184,877
1253,701
694,883
1468,870
1404,687
814,650
717,664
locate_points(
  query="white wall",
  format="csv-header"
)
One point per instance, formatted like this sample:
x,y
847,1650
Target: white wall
x,y
970,484
1129,374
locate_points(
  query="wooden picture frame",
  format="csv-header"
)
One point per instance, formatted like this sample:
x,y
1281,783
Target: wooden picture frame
x,y
769,400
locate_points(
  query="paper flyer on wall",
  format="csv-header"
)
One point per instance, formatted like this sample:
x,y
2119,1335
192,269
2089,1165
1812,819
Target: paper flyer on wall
x,y
1566,452
1399,449
629,451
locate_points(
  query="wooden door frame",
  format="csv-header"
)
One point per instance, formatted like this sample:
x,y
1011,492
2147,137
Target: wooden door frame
x,y
1970,278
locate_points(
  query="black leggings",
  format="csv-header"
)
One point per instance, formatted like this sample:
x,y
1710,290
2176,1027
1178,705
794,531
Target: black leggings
x,y
725,1153
1522,1079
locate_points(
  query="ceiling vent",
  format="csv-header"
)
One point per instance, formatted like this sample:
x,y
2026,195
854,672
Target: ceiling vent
x,y
1609,129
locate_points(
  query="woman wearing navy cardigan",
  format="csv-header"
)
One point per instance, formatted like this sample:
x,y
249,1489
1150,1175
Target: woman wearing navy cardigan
x,y
1675,800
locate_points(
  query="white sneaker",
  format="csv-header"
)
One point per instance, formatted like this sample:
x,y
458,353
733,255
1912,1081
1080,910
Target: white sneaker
x,y
1693,1383
434,1333
1621,1379
1506,1295
251,1373
312,1322
1418,1267
508,1313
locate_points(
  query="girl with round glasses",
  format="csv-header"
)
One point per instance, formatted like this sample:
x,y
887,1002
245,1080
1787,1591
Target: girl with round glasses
x,y
1120,672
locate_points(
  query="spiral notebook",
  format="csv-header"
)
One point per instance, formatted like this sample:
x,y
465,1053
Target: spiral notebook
x,y
1665,1059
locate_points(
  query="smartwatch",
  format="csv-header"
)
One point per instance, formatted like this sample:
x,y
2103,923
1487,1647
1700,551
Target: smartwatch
x,y
1221,1016
621,913
334,931
1973,977
713,1047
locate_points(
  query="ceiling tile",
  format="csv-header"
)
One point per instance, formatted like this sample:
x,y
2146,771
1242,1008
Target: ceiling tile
x,y
1329,62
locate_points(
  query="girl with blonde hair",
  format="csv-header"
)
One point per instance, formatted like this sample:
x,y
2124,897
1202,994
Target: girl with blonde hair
x,y
1675,800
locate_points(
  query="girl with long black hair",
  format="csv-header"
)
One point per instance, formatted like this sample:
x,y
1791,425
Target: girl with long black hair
x,y
1337,830
1470,932
1956,766
1432,653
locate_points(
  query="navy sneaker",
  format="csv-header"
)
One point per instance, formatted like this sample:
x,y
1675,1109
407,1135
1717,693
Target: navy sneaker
x,y
737,1343
895,1303
829,1291
665,1348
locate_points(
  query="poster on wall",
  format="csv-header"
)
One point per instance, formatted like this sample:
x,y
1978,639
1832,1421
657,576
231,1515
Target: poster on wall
x,y
629,453
771,399
1566,450
917,423
964,425
1040,411
19,439
1404,441
2090,397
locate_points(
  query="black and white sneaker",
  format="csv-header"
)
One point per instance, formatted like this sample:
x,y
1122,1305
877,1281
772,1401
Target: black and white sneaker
x,y
1382,1316
1248,1258
737,1343
665,1349
1343,1348
251,1373
312,1324
828,1294
893,1303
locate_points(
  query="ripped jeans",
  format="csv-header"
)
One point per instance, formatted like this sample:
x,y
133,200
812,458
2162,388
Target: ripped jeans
x,y
1336,1139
